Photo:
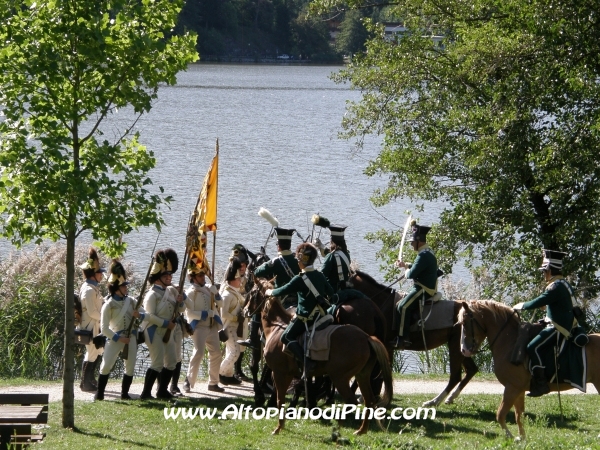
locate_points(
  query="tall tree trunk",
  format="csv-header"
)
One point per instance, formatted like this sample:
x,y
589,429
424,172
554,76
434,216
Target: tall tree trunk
x,y
68,416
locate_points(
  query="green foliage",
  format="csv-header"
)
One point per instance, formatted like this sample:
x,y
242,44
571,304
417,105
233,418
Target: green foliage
x,y
499,121
353,34
57,174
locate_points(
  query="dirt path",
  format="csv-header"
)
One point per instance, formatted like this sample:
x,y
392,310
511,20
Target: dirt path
x,y
113,390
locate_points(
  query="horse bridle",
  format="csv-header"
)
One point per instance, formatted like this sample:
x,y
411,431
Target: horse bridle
x,y
473,319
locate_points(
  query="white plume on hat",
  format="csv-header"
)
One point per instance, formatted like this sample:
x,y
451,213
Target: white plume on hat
x,y
265,214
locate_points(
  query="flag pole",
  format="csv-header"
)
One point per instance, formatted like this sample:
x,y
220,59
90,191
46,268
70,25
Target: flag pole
x,y
216,205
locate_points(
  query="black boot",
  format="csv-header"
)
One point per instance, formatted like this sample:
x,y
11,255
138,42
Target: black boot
x,y
163,384
102,381
175,379
238,373
127,379
96,365
151,376
253,340
87,375
400,343
539,383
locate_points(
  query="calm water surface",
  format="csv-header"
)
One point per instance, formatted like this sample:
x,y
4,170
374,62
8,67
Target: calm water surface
x,y
277,128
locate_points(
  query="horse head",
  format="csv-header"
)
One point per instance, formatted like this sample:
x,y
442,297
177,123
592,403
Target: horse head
x,y
256,260
472,332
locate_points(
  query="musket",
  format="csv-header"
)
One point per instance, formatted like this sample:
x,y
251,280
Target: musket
x,y
125,350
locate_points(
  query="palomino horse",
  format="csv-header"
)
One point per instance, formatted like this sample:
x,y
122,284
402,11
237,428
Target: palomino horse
x,y
385,298
500,324
352,354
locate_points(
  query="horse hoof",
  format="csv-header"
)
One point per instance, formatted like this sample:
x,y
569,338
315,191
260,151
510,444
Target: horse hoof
x,y
359,432
429,403
276,431
449,402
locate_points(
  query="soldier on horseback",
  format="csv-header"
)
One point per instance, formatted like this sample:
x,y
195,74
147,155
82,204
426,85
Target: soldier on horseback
x,y
558,298
312,289
424,273
283,269
336,266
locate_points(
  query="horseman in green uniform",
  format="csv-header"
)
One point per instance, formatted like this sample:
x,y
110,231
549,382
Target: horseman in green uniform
x,y
558,298
312,289
283,269
336,266
424,273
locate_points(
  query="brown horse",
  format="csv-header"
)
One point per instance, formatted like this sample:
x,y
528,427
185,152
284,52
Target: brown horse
x,y
499,323
386,299
352,354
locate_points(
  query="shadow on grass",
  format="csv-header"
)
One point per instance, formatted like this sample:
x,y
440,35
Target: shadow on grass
x,y
111,438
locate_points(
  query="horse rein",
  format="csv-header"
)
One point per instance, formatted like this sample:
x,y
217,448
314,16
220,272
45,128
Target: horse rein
x,y
473,319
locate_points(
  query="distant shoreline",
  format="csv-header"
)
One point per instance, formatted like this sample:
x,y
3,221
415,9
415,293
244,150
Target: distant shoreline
x,y
247,60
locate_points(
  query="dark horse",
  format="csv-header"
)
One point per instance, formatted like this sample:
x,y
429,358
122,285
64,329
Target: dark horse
x,y
256,260
353,353
385,298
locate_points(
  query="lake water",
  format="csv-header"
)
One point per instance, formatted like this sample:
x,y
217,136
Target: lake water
x,y
277,127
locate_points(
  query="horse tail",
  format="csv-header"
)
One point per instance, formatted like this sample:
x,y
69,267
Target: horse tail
x,y
386,370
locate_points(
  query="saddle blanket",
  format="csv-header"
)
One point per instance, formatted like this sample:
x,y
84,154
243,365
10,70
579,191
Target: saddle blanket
x,y
320,345
437,315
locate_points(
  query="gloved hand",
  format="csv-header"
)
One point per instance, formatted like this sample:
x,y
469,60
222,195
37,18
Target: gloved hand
x,y
203,315
218,320
214,290
211,313
317,243
269,292
518,306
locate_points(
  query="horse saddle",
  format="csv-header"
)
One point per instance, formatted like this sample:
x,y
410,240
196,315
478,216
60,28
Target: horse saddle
x,y
436,315
321,342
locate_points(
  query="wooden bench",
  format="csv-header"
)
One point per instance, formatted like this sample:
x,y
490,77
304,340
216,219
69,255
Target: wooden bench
x,y
18,411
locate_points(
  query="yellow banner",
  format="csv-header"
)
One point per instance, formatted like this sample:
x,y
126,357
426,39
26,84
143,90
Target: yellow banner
x,y
205,217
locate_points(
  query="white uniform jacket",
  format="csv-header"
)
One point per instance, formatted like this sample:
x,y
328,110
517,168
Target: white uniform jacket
x,y
91,305
201,300
116,316
159,305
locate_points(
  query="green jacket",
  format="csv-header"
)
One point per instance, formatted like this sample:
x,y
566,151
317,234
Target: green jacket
x,y
274,268
306,300
424,269
330,270
557,298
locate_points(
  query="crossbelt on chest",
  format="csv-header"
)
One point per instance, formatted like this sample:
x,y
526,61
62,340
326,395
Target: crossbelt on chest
x,y
338,256
286,267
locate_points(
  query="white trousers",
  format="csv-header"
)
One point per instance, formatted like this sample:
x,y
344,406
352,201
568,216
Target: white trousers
x,y
111,353
92,353
178,343
205,337
232,351
161,354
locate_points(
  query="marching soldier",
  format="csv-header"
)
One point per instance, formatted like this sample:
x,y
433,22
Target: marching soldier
x,y
283,269
116,315
312,289
202,311
424,273
558,298
232,315
240,252
160,303
91,305
336,266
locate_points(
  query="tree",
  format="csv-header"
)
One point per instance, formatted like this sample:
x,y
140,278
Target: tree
x,y
353,34
499,120
65,66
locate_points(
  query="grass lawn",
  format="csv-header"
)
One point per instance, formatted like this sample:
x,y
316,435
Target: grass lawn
x,y
470,423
